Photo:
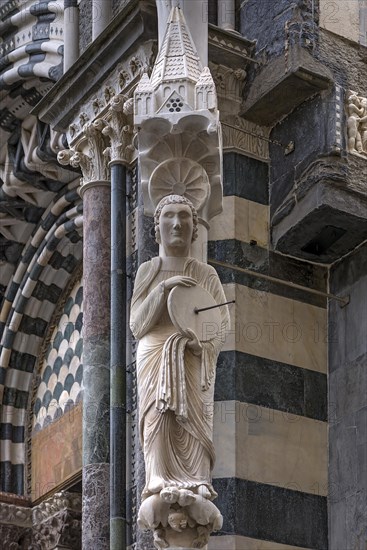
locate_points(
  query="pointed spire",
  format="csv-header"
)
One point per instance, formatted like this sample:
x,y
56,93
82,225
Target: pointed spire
x,y
177,58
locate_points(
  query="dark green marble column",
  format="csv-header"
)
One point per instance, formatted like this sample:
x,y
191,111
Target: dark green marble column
x,y
118,358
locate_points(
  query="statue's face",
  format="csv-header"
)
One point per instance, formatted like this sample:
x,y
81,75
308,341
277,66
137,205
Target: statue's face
x,y
176,225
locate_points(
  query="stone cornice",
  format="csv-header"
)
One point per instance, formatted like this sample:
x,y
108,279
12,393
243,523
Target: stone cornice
x,y
134,25
229,48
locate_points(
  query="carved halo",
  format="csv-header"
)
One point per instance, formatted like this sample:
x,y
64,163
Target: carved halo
x,y
180,176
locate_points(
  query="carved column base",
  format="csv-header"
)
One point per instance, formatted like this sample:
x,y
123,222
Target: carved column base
x,y
187,539
179,519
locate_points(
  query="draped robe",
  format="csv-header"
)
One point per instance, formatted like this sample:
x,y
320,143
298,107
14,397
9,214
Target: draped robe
x,y
178,448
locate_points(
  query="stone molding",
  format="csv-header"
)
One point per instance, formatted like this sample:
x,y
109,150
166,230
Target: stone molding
x,y
15,515
229,48
246,137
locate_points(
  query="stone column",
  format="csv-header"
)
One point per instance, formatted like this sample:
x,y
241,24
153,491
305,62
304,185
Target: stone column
x,y
101,15
226,15
96,193
71,33
119,131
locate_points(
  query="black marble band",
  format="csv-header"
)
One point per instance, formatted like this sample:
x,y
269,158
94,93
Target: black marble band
x,y
272,513
270,263
245,177
267,383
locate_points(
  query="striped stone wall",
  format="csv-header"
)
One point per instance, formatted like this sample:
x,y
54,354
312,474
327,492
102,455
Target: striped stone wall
x,y
271,387
47,264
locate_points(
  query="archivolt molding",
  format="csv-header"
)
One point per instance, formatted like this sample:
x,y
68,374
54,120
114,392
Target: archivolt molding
x,y
48,261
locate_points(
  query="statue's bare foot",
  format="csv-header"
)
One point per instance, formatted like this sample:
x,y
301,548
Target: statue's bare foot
x,y
170,495
204,492
159,540
186,497
203,537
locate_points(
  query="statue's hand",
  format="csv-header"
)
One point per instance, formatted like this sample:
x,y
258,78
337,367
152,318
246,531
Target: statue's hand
x,y
178,280
193,344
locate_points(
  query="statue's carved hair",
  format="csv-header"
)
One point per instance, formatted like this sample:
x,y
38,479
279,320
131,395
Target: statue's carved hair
x,y
175,199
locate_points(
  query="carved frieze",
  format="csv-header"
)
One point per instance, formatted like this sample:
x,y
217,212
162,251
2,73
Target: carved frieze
x,y
121,81
54,523
245,137
356,109
57,522
14,537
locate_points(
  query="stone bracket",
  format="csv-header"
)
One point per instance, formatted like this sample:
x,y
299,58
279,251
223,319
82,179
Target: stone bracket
x,y
283,84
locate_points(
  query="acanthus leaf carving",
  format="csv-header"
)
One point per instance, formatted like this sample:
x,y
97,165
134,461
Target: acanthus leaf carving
x,y
97,146
94,166
119,130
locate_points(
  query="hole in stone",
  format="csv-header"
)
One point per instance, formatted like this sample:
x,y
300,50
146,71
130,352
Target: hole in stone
x,y
324,240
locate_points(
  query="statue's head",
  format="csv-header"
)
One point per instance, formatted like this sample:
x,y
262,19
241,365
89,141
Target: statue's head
x,y
168,201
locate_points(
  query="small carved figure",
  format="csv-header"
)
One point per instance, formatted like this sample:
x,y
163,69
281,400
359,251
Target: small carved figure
x,y
204,512
363,124
355,112
177,519
153,512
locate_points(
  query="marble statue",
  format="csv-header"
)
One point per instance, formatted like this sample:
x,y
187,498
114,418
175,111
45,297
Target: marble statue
x,y
176,374
357,123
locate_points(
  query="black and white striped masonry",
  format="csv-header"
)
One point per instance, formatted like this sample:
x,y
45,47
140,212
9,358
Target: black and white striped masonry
x,y
49,260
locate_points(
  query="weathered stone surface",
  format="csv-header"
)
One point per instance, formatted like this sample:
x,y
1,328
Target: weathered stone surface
x,y
348,405
284,83
96,507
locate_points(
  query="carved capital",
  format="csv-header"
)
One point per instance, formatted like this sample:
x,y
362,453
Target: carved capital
x,y
57,522
94,166
97,146
119,130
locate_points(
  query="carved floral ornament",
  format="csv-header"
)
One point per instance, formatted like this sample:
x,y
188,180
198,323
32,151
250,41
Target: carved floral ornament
x,y
122,81
56,522
356,107
106,140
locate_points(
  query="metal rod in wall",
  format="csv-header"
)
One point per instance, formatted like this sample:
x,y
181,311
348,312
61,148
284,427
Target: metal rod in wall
x,y
101,16
344,300
71,33
118,359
